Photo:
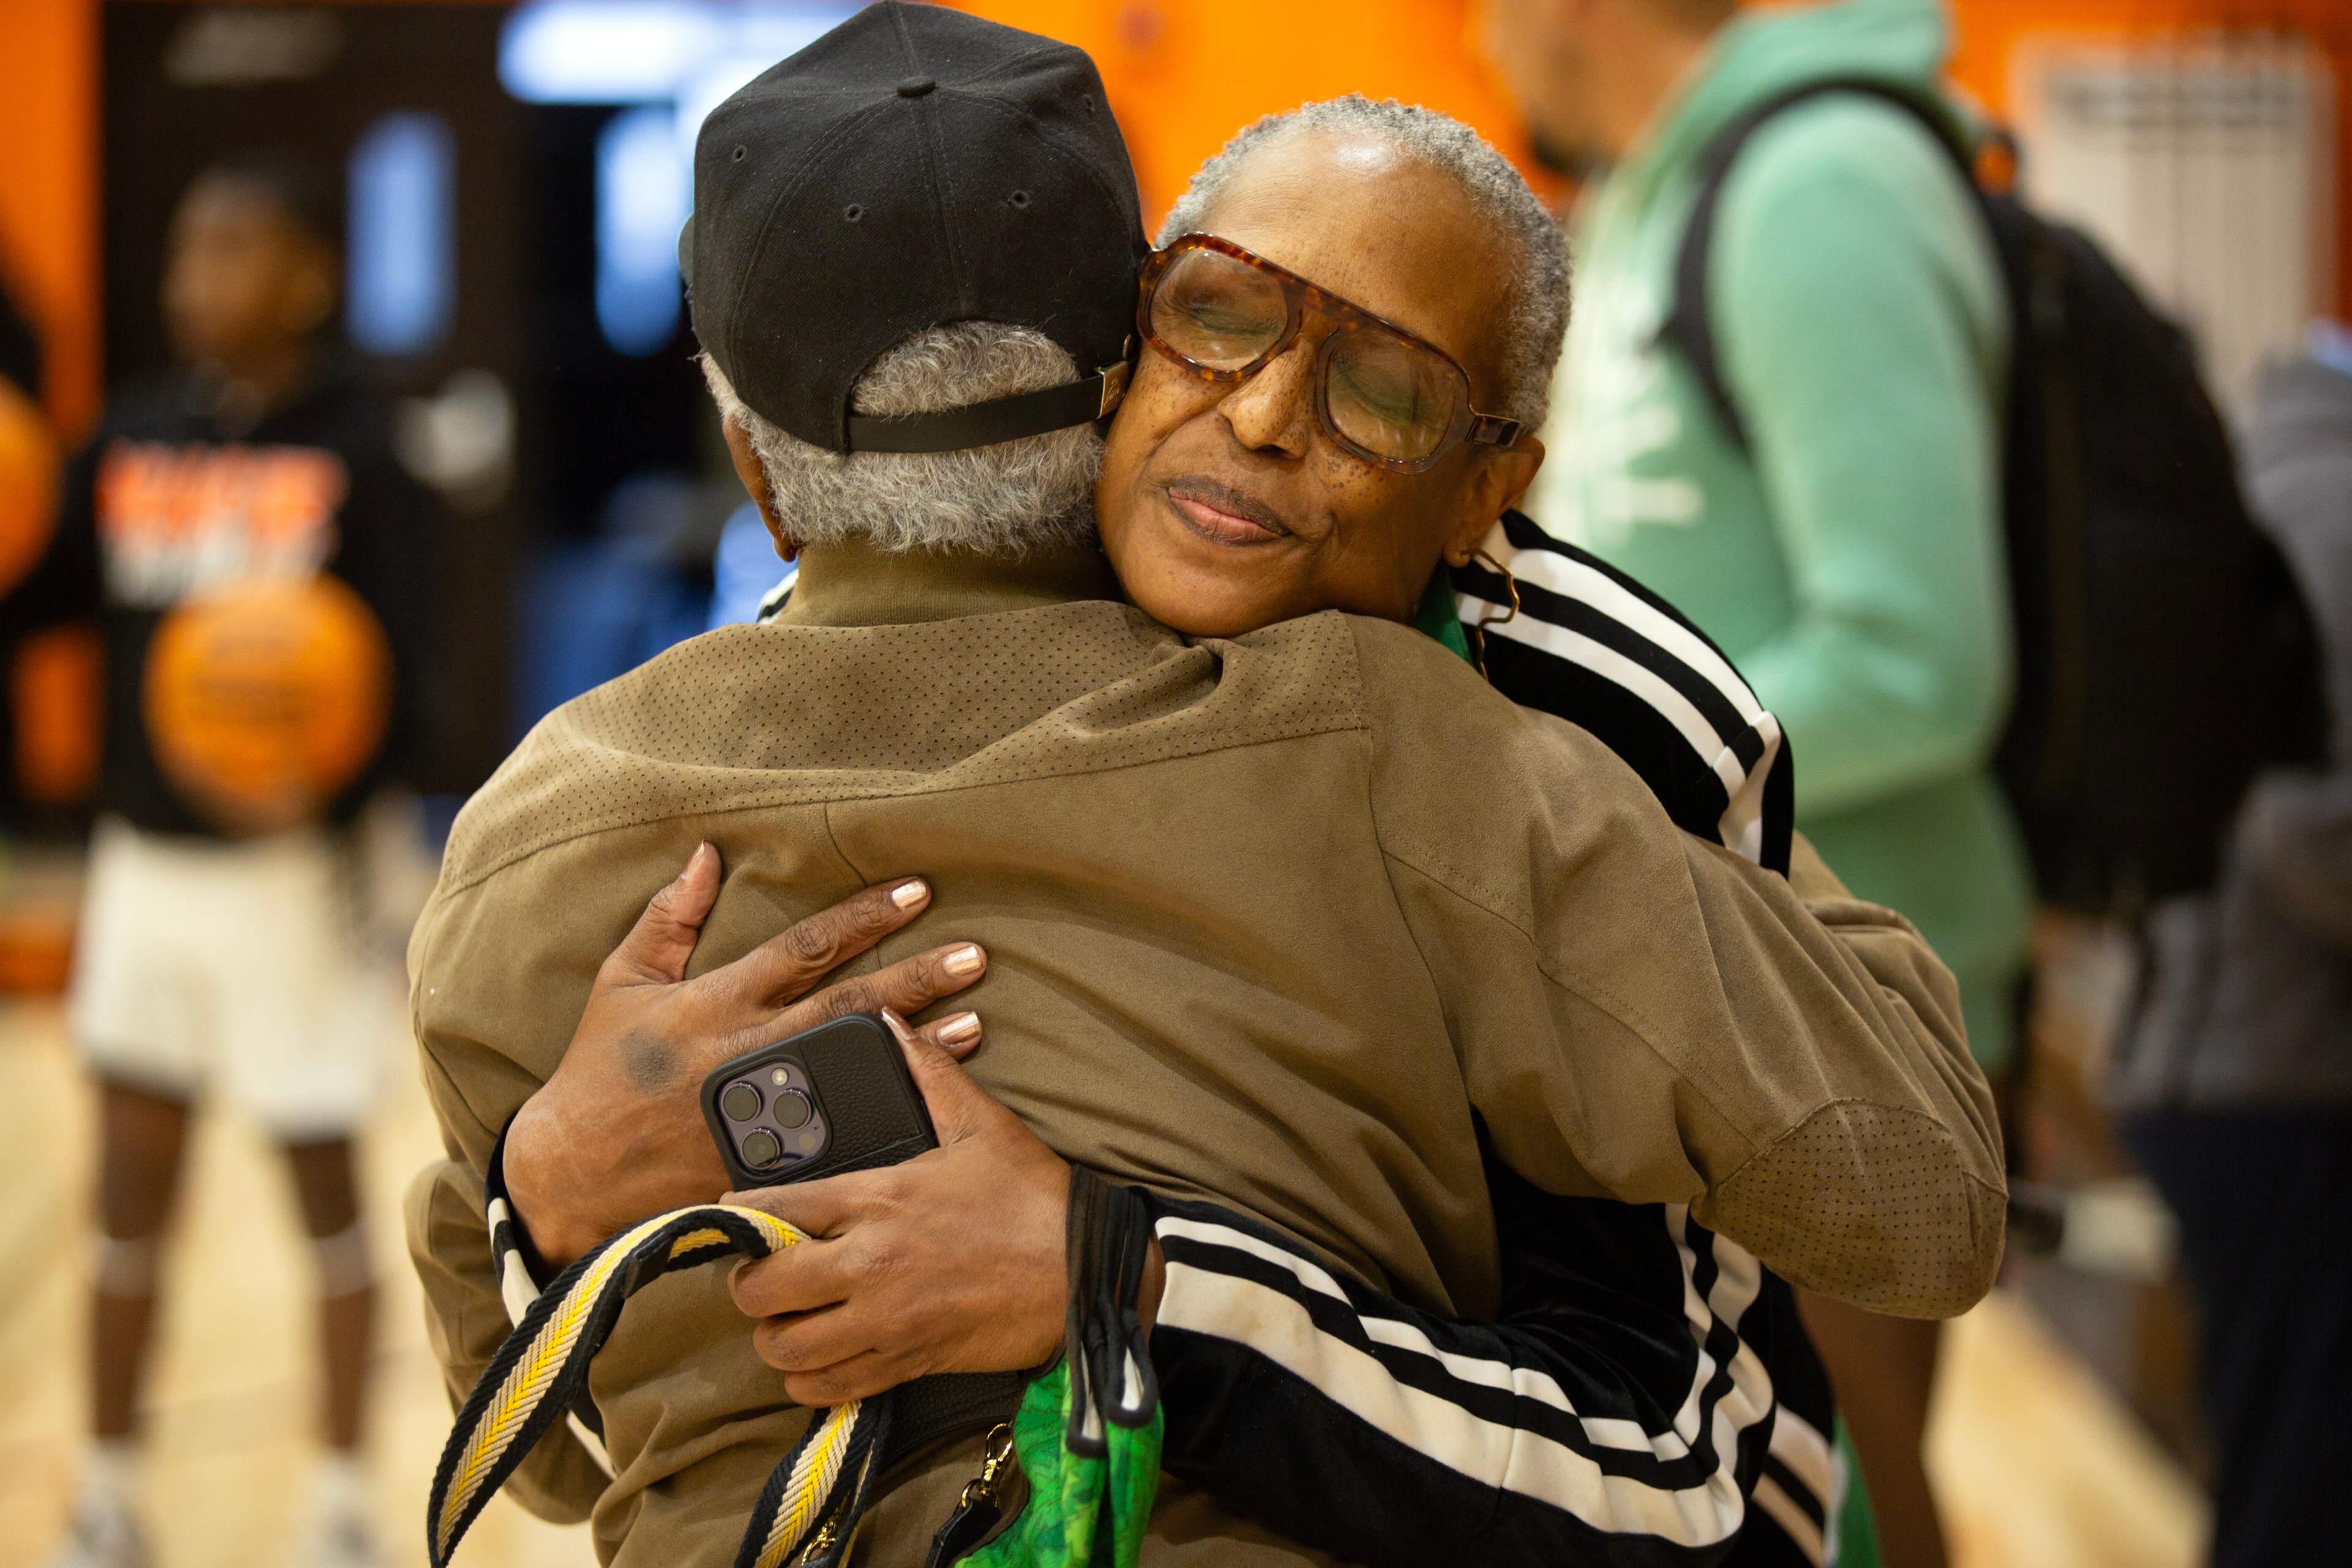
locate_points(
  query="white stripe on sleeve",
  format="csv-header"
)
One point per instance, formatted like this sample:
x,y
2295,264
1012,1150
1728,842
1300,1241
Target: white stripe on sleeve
x,y
1276,1326
1572,578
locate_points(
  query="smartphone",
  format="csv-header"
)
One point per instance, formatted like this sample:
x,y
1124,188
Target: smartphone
x,y
829,1100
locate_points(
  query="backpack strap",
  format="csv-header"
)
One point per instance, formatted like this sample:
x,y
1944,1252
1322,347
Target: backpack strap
x,y
1687,326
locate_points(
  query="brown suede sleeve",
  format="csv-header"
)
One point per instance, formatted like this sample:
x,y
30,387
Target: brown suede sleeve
x,y
1646,1015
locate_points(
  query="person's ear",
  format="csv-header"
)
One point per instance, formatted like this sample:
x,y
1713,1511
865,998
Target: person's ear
x,y
755,476
1500,483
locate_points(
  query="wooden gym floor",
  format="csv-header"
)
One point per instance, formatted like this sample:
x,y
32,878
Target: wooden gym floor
x,y
2037,1465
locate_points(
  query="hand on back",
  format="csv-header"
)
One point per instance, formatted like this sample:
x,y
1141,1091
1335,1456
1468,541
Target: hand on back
x,y
616,1134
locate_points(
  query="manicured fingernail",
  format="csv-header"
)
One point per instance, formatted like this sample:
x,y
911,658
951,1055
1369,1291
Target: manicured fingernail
x,y
964,960
960,1027
898,1026
907,894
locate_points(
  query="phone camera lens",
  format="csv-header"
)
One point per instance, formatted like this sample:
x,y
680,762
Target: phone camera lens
x,y
741,1102
792,1109
761,1148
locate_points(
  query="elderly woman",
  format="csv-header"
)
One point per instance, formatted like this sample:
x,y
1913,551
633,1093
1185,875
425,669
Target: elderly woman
x,y
1348,336
1330,408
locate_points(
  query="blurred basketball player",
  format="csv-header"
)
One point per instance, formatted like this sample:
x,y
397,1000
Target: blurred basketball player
x,y
216,952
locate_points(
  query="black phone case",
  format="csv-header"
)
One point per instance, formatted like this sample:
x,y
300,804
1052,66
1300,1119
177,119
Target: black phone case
x,y
859,1083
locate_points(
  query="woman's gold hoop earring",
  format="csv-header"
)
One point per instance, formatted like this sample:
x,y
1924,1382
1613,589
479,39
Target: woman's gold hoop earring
x,y
1476,631
1510,586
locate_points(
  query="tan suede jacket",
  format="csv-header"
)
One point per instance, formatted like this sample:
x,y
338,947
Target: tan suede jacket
x,y
1269,920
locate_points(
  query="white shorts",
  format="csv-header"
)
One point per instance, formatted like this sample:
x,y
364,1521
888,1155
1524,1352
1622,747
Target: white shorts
x,y
231,968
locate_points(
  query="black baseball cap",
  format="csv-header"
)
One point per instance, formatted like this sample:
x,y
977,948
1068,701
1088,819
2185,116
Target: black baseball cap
x,y
912,168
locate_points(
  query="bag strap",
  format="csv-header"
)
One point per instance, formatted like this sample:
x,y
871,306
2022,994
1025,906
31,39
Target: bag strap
x,y
1688,326
808,1511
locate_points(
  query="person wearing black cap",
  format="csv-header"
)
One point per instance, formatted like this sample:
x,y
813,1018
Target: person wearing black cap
x,y
1002,197
1240,942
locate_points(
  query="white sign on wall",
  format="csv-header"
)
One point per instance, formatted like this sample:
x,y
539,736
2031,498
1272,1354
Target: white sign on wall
x,y
2205,165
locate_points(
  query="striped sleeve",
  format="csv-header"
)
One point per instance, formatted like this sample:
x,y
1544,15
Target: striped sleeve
x,y
1570,636
1622,1414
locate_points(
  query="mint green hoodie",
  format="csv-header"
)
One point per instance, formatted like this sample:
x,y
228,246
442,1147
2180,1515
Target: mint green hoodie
x,y
1850,562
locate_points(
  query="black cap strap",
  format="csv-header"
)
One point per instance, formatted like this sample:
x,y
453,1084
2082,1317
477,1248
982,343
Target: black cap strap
x,y
1002,419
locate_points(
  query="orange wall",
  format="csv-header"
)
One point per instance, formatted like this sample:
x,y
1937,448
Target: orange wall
x,y
48,188
1182,75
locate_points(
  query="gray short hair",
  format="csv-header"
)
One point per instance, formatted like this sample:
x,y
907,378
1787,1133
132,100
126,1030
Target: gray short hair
x,y
1536,316
1000,499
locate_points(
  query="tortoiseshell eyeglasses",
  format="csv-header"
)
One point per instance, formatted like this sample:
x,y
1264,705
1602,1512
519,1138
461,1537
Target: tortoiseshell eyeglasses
x,y
1395,400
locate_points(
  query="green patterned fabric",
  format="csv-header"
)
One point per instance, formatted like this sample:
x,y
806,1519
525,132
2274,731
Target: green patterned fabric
x,y
1064,1524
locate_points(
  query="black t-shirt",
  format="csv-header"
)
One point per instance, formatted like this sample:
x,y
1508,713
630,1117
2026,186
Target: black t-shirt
x,y
164,502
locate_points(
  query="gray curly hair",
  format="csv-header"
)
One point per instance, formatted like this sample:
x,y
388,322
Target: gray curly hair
x,y
1536,316
1000,499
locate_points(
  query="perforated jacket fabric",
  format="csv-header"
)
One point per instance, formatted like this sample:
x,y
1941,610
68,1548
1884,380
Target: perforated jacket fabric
x,y
1252,941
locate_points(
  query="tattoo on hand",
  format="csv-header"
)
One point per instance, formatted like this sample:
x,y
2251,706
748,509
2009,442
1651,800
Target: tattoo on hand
x,y
651,1065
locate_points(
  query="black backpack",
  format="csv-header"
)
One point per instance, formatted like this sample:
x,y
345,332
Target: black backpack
x,y
2163,653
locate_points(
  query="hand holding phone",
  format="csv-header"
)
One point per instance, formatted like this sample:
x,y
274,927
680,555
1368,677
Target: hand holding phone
x,y
953,1262
828,1099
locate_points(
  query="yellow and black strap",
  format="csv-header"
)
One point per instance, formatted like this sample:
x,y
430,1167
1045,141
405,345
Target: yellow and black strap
x,y
808,1512
818,1491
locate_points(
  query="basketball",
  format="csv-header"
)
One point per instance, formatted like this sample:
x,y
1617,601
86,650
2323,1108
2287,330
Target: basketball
x,y
29,469
267,697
